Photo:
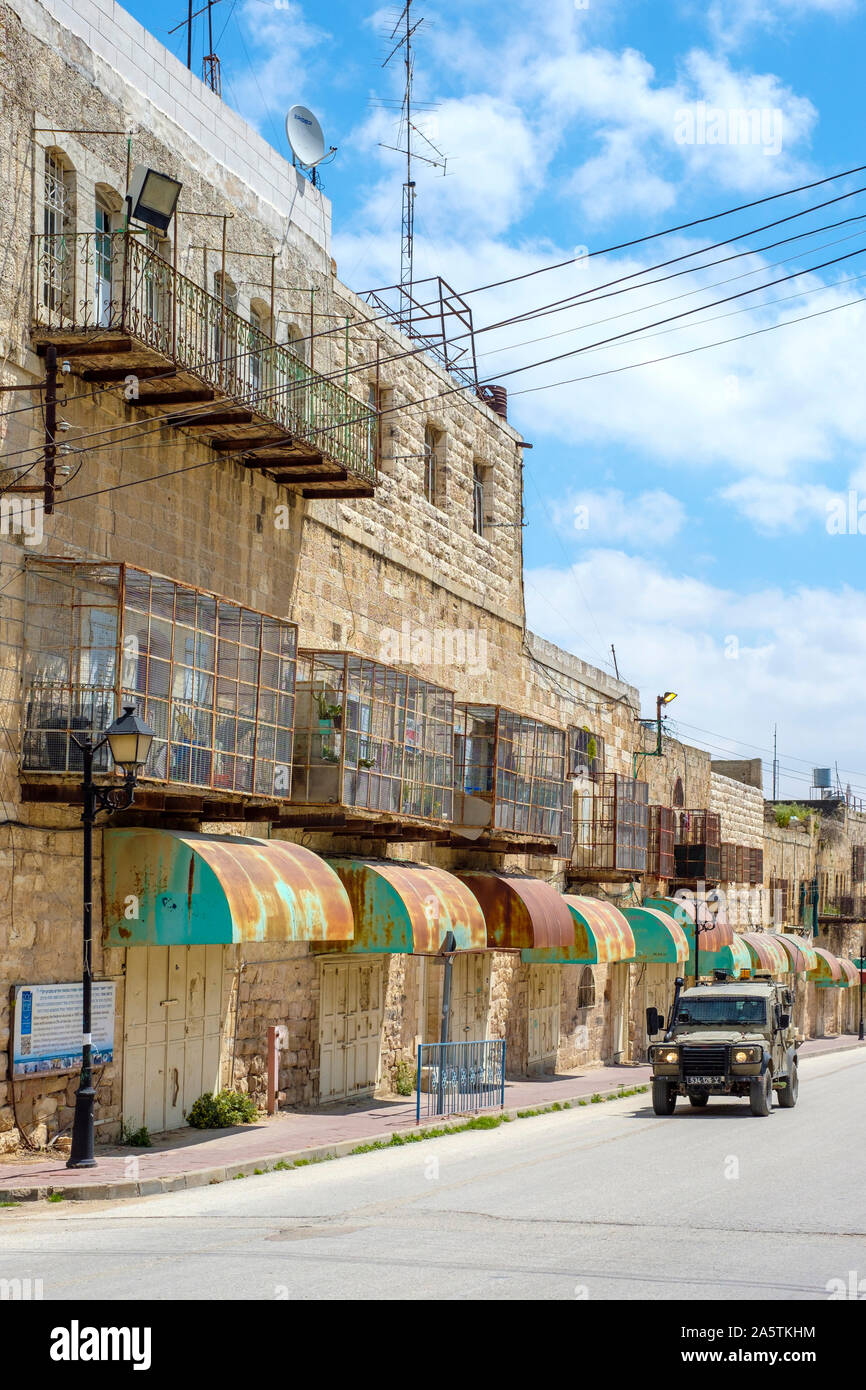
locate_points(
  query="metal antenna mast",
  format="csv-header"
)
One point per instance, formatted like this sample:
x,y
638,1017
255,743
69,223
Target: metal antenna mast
x,y
405,28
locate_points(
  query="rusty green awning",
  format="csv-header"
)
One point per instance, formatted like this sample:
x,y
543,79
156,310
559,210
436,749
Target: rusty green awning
x,y
767,954
601,935
169,888
800,951
409,907
521,912
734,958
658,937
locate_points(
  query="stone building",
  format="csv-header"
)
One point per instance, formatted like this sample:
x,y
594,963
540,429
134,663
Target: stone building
x,y
293,542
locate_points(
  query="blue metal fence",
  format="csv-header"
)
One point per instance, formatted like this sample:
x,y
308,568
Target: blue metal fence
x,y
460,1076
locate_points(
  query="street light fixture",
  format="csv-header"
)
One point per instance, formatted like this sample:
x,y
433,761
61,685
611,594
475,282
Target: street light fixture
x,y
152,197
128,740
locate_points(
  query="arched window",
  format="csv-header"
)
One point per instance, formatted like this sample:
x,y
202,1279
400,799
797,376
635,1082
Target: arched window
x,y
260,361
679,797
586,989
58,261
432,471
224,350
296,341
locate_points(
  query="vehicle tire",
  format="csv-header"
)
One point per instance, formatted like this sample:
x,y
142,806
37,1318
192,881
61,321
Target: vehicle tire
x,y
788,1097
761,1094
664,1096
698,1101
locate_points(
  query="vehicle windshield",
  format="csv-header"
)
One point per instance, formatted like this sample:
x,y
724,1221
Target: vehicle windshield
x,y
723,1011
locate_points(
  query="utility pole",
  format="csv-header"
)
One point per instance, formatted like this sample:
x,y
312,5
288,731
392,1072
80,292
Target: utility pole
x,y
50,427
613,654
775,762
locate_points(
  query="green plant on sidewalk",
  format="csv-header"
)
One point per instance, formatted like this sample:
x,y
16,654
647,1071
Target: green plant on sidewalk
x,y
222,1111
403,1078
137,1138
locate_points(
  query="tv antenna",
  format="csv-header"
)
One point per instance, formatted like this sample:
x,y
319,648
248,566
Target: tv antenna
x,y
210,64
407,128
307,142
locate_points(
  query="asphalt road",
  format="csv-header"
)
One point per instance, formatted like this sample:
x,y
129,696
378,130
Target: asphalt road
x,y
605,1201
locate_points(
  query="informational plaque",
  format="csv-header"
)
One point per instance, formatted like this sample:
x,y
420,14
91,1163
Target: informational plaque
x,y
48,1034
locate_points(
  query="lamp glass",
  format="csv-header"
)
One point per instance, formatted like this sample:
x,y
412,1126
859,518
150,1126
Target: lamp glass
x,y
129,739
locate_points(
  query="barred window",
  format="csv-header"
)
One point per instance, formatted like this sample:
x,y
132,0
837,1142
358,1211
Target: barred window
x,y
586,751
586,989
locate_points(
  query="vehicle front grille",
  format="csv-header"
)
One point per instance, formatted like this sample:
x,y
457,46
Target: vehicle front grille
x,y
705,1061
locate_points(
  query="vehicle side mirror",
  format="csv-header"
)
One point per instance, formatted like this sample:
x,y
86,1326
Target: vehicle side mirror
x,y
784,1020
653,1022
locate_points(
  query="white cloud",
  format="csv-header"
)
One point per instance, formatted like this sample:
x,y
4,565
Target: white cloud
x,y
773,506
732,23
603,517
797,657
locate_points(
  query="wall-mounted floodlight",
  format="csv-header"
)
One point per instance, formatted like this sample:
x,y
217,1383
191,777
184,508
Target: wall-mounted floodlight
x,y
152,197
668,696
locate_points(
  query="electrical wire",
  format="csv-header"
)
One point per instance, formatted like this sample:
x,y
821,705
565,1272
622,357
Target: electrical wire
x,y
148,426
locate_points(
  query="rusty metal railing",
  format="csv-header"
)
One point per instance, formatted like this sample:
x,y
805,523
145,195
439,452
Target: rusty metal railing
x,y
114,281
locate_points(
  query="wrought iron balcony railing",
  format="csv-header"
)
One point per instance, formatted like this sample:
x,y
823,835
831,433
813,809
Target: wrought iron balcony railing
x,y
114,283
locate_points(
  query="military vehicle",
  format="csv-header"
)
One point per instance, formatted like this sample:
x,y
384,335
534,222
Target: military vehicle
x,y
728,1038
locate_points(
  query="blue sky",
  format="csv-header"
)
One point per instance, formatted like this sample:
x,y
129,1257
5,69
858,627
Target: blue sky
x,y
703,485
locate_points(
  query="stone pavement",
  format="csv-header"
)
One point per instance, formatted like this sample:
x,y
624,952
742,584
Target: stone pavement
x,y
188,1158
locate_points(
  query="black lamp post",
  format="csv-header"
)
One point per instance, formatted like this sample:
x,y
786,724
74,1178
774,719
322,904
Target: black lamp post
x,y
129,740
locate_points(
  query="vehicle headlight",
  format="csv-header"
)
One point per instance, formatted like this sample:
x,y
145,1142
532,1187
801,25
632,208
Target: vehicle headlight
x,y
747,1054
670,1055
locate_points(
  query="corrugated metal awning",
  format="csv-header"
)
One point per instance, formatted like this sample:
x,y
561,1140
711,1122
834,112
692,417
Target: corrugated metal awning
x,y
734,958
169,887
713,934
800,952
520,911
766,953
828,970
601,935
407,907
850,971
658,937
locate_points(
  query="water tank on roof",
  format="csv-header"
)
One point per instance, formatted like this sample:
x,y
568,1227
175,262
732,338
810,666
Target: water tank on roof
x,y
822,777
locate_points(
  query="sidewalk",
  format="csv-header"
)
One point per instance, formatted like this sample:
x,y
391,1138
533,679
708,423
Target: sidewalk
x,y
188,1158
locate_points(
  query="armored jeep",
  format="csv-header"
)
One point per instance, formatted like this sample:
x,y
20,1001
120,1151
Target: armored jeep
x,y
729,1038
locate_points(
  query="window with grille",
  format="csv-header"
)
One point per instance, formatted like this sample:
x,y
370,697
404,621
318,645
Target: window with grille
x,y
586,989
214,680
478,502
432,470
780,899
660,843
57,219
586,752
858,864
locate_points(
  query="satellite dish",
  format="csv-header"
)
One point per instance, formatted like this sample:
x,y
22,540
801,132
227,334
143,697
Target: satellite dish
x,y
305,137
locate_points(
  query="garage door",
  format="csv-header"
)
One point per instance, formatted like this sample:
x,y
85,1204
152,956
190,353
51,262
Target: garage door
x,y
172,1022
544,1003
350,1027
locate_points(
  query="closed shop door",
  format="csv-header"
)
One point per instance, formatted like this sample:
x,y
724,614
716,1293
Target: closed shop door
x,y
172,1029
656,992
545,983
470,997
350,1027
618,1051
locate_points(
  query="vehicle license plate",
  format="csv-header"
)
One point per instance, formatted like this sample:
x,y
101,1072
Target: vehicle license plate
x,y
706,1080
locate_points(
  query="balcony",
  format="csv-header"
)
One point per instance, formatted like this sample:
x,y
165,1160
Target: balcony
x,y
511,783
373,750
611,829
114,309
213,679
697,852
846,907
660,841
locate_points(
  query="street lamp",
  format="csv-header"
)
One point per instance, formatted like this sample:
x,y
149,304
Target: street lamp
x,y
860,972
129,740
